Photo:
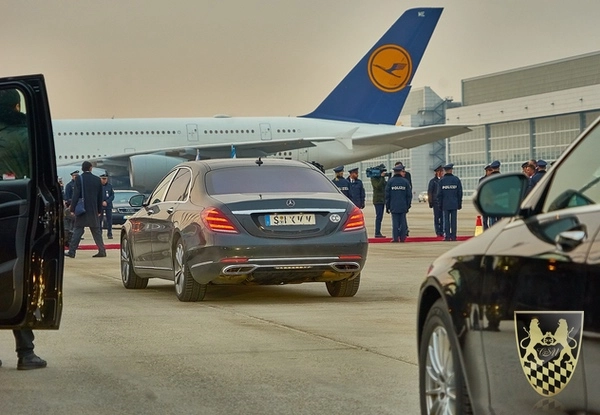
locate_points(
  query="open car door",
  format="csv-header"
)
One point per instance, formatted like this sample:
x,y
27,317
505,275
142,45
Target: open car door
x,y
31,222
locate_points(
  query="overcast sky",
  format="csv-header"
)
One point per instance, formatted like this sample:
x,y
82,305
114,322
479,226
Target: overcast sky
x,y
199,58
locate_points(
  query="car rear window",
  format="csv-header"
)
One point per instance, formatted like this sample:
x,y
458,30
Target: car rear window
x,y
267,179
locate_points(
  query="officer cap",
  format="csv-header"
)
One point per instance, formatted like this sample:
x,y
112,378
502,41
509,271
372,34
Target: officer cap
x,y
524,164
542,163
353,170
495,164
488,167
440,167
399,167
338,169
449,166
74,172
104,175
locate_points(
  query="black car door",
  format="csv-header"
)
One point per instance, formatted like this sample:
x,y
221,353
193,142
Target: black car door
x,y
534,301
539,288
31,227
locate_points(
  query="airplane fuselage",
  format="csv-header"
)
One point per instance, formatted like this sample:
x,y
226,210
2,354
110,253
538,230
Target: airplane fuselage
x,y
79,140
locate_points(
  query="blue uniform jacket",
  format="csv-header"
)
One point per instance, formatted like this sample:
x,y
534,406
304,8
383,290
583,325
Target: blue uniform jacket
x,y
450,192
398,195
356,193
343,184
108,195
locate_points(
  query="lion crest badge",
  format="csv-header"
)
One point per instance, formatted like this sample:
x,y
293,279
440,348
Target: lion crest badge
x,y
548,343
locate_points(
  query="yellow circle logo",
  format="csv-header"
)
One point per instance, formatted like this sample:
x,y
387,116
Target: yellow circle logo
x,y
390,68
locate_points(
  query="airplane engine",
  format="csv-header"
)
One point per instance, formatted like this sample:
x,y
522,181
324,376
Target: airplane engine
x,y
146,170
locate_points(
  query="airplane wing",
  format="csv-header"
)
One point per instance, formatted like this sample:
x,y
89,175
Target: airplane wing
x,y
414,137
218,150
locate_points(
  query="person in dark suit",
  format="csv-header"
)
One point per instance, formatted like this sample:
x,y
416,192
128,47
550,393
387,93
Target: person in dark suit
x,y
91,193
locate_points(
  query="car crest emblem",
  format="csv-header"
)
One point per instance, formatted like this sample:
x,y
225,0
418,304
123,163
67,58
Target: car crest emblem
x,y
335,218
548,343
290,203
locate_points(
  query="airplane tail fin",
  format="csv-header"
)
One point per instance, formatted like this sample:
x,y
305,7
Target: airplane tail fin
x,y
376,88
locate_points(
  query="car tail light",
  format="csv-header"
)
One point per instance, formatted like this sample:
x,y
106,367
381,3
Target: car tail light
x,y
216,221
349,257
355,221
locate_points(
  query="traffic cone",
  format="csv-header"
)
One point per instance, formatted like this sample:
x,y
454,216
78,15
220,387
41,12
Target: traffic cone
x,y
478,226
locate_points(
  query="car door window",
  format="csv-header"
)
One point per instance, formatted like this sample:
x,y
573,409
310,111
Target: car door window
x,y
179,189
15,168
158,195
577,180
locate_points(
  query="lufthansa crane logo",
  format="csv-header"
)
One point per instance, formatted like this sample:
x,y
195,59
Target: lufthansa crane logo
x,y
390,68
548,344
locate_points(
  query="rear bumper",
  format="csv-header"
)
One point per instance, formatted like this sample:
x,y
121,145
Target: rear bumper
x,y
274,265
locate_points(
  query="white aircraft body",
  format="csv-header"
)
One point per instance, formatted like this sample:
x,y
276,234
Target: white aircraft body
x,y
355,122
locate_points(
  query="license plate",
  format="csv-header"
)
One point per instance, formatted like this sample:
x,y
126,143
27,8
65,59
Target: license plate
x,y
290,219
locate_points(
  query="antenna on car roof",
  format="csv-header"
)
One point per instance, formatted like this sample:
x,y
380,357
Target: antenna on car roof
x,y
259,162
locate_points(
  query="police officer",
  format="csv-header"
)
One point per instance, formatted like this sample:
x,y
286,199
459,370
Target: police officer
x,y
432,191
398,197
540,171
450,200
356,190
340,181
378,185
495,166
488,170
69,188
108,195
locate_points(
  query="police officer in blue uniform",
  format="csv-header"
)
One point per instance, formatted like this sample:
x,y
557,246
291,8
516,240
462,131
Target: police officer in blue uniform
x,y
398,198
356,190
450,200
108,195
540,171
432,191
340,181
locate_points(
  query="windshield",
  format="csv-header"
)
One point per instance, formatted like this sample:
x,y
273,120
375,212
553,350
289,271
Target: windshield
x,y
123,197
576,182
267,179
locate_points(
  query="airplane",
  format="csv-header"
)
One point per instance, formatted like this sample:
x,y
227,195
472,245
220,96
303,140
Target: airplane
x,y
355,122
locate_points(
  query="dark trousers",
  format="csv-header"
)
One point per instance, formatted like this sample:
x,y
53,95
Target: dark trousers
x,y
24,342
450,217
378,217
399,227
438,221
78,233
107,220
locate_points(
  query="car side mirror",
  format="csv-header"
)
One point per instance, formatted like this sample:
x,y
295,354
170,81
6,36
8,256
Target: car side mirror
x,y
137,201
501,195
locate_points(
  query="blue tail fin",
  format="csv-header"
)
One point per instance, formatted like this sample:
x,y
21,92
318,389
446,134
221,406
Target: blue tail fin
x,y
377,87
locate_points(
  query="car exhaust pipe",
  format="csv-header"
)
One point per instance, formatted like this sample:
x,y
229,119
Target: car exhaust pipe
x,y
238,269
345,266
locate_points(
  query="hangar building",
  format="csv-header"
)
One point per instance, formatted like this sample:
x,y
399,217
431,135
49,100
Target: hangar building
x,y
533,112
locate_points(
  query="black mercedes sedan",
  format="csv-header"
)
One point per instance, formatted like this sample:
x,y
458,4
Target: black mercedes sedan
x,y
509,322
244,221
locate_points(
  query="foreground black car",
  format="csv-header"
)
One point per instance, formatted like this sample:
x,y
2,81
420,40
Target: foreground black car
x,y
509,322
241,221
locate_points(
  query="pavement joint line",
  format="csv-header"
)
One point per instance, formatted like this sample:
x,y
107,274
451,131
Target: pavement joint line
x,y
307,333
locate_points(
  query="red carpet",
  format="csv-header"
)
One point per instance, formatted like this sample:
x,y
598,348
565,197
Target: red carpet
x,y
416,239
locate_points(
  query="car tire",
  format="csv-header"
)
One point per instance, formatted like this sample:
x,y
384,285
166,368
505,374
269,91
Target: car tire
x,y
128,276
343,288
186,288
441,382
